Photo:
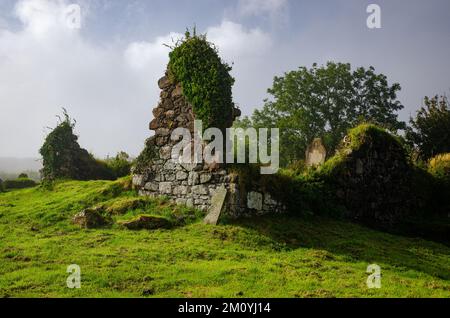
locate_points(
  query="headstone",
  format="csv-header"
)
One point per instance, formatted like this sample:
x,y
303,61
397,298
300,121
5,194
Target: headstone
x,y
315,153
217,204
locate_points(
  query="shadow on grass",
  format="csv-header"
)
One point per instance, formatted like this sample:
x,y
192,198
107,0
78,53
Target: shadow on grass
x,y
354,242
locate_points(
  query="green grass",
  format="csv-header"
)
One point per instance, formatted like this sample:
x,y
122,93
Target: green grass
x,y
278,256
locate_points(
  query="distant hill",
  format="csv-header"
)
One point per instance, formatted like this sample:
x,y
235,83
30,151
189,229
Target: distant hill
x,y
11,167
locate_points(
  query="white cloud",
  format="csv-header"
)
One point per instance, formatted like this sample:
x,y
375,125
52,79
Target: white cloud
x,y
234,41
47,65
258,7
109,89
141,54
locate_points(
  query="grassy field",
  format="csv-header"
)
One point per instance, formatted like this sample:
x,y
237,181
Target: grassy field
x,y
265,257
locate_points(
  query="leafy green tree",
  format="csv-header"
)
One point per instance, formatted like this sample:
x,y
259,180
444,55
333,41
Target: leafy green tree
x,y
63,158
325,102
429,131
23,175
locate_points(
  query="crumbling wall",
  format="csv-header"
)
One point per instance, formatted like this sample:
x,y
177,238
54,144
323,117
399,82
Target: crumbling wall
x,y
157,174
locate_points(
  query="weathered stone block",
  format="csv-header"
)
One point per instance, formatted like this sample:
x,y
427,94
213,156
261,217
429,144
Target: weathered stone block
x,y
177,92
165,152
193,178
169,176
90,218
169,165
163,132
205,177
268,200
181,175
200,190
152,186
180,201
164,82
180,190
217,205
138,180
254,200
165,187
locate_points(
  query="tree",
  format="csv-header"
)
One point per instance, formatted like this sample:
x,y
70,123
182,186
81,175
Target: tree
x,y
325,102
63,158
23,175
429,131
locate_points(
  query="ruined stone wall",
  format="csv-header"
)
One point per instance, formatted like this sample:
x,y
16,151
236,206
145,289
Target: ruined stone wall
x,y
191,184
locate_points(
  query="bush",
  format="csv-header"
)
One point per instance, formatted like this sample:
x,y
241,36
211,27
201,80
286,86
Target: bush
x,y
204,78
20,183
23,176
1,185
120,165
439,168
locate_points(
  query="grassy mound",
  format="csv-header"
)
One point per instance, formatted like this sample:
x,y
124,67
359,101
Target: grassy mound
x,y
372,176
278,256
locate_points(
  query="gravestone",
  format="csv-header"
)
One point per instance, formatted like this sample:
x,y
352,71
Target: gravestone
x,y
217,204
315,153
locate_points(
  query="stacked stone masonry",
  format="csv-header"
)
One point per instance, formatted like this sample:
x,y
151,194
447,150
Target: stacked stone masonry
x,y
192,184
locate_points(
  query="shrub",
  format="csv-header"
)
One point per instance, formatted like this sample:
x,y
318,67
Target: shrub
x,y
23,176
204,78
120,165
1,185
439,168
20,183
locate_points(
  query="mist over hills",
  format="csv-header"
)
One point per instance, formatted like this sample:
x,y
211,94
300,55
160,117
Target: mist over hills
x,y
11,167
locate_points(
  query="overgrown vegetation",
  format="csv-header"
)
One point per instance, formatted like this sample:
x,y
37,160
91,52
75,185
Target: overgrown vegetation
x,y
147,155
20,183
439,168
429,132
387,190
120,165
63,158
205,79
296,257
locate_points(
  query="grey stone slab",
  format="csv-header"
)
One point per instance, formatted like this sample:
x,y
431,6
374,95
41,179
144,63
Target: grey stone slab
x,y
217,205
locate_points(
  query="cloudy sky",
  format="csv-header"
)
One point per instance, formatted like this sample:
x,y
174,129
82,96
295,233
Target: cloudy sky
x,y
105,73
